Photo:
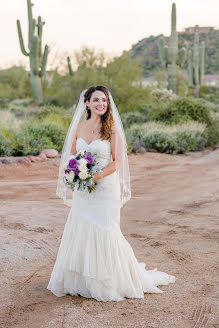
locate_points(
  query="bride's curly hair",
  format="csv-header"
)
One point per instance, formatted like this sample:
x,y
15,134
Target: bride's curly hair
x,y
107,117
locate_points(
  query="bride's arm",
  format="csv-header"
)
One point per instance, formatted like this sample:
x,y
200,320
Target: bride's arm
x,y
116,162
73,148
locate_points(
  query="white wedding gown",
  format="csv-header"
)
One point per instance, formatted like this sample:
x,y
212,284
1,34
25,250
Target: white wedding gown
x,y
94,259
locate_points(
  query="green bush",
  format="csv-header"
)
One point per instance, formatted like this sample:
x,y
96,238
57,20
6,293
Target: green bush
x,y
5,146
132,117
54,114
183,109
31,145
160,95
159,140
175,139
63,120
210,93
15,83
33,138
46,110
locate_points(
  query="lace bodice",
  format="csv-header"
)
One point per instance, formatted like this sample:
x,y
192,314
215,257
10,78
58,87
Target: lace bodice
x,y
101,147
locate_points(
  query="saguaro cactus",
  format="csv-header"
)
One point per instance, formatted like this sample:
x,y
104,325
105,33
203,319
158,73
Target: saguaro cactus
x,y
69,66
170,56
196,65
37,60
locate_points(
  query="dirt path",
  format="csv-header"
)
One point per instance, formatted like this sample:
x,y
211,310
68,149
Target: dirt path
x,y
171,223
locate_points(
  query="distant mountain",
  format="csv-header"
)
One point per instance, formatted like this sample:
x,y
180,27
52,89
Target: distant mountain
x,y
147,50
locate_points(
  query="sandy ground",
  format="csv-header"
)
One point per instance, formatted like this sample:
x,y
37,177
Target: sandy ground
x,y
171,223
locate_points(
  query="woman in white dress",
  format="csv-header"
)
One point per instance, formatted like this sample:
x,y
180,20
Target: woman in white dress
x,y
94,259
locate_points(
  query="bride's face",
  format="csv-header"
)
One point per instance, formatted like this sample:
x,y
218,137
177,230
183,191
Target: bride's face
x,y
97,103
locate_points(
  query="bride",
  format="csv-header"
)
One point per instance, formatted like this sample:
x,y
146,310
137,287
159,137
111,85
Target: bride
x,y
94,259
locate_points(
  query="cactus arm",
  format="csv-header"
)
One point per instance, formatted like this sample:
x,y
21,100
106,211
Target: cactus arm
x,y
202,62
173,47
182,56
44,60
173,19
190,68
196,65
196,59
39,27
30,19
39,33
21,41
69,66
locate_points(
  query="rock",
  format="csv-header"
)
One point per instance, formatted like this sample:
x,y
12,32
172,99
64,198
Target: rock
x,y
27,159
5,161
141,150
42,156
23,160
153,150
32,158
37,158
50,153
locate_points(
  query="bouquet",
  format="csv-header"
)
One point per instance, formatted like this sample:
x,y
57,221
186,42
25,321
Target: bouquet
x,y
80,169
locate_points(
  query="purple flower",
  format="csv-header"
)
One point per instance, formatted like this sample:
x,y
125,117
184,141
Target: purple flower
x,y
73,163
66,171
76,171
89,158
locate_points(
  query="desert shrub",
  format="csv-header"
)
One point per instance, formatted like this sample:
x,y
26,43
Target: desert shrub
x,y
210,93
46,110
214,107
179,138
5,146
8,120
63,120
15,83
186,109
183,109
23,110
33,138
163,95
159,140
130,118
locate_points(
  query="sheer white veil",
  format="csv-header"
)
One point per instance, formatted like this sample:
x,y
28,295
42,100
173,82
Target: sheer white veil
x,y
121,158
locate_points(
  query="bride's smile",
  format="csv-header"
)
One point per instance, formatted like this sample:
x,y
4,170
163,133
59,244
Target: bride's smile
x,y
97,103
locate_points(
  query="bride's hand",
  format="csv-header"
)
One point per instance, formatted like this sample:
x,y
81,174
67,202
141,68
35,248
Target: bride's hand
x,y
96,177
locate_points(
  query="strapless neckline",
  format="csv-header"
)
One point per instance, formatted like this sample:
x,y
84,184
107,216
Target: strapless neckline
x,y
91,141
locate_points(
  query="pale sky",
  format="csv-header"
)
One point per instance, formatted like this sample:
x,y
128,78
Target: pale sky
x,y
112,26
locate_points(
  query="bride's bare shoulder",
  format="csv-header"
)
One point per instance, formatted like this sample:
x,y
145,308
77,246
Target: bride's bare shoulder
x,y
80,127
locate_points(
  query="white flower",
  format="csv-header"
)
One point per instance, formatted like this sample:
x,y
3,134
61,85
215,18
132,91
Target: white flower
x,y
83,169
71,157
82,162
83,175
80,152
70,176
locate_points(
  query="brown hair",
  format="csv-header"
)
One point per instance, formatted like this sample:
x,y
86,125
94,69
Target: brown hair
x,y
107,117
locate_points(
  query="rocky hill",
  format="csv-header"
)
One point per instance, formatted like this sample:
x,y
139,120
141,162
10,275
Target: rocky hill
x,y
147,50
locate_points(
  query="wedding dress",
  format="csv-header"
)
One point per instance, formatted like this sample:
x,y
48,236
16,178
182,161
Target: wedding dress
x,y
94,259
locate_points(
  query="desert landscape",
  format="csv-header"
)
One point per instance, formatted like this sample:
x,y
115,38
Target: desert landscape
x,y
171,222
